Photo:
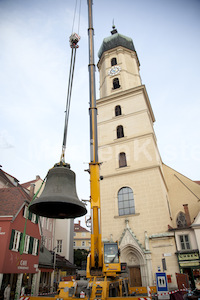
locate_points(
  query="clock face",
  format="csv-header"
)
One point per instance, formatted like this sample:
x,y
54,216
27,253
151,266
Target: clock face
x,y
114,70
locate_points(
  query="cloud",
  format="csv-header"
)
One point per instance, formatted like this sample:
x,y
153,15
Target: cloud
x,y
5,140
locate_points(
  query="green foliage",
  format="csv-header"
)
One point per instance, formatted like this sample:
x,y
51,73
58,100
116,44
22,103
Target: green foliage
x,y
80,256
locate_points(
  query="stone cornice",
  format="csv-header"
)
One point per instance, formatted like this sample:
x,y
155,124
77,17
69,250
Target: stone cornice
x,y
135,90
161,235
131,171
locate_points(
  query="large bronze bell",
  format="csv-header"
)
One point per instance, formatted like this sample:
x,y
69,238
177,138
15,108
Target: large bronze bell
x,y
59,199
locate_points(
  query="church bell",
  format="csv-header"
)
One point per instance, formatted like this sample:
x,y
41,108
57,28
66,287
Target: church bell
x,y
59,199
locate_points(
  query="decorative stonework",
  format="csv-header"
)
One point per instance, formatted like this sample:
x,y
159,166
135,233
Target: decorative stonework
x,y
134,254
132,259
129,238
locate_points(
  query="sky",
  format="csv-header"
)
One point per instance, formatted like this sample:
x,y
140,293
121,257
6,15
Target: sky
x,y
34,68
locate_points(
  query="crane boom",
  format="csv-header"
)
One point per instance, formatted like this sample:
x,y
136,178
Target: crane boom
x,y
96,247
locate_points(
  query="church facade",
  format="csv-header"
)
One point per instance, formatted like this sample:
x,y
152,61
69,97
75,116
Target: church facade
x,y
141,198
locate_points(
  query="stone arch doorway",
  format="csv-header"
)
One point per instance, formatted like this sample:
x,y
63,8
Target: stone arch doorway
x,y
136,263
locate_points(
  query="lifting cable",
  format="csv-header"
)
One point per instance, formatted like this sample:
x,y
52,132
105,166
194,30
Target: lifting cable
x,y
73,39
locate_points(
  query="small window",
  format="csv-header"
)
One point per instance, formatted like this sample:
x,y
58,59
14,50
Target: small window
x,y
83,234
126,204
184,240
35,246
122,160
116,84
33,218
83,243
59,246
120,131
16,241
118,110
113,61
26,244
74,244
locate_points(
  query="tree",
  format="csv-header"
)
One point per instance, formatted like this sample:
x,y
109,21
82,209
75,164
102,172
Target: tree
x,y
80,257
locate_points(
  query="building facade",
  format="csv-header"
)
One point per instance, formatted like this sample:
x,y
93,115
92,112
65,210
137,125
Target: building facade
x,y
20,238
57,237
81,237
146,196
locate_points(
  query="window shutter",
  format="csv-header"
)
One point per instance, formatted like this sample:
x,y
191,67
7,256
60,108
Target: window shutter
x,y
38,247
21,234
36,221
29,215
12,239
30,245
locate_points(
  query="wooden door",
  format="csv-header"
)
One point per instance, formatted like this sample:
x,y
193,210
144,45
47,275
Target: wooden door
x,y
135,276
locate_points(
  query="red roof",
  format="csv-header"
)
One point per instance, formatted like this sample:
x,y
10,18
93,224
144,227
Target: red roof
x,y
6,178
11,199
27,184
198,182
79,228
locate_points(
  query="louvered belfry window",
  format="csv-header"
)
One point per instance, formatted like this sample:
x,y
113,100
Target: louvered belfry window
x,y
113,61
122,160
118,110
120,131
116,84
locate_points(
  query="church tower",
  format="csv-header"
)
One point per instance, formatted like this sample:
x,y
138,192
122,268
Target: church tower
x,y
134,195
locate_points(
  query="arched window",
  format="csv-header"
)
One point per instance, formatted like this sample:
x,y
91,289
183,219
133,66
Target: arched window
x,y
122,160
113,61
116,84
118,110
126,204
120,131
181,220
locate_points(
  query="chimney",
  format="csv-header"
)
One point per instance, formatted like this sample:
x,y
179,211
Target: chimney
x,y
79,223
37,177
32,190
187,215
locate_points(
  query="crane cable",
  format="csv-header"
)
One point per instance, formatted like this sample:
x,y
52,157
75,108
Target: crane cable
x,y
73,39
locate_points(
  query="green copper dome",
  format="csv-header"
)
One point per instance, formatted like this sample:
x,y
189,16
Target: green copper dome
x,y
114,41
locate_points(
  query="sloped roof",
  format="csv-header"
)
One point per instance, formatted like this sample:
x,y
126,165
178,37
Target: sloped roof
x,y
62,262
28,184
5,178
79,228
45,258
11,199
198,182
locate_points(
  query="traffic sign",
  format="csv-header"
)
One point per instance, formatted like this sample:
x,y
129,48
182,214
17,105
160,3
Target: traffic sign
x,y
162,287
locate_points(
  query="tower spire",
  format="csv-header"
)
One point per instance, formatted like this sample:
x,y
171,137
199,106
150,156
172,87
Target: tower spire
x,y
114,30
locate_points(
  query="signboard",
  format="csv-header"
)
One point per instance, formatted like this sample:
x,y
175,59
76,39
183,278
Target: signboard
x,y
162,287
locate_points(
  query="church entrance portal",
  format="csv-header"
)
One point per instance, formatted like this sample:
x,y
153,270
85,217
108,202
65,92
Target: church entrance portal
x,y
135,276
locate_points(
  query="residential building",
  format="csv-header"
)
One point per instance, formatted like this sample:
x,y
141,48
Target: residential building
x,y
18,260
57,236
147,196
81,237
